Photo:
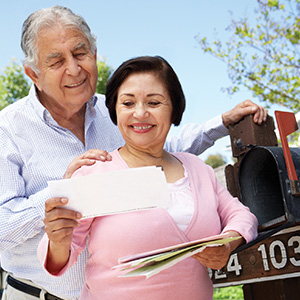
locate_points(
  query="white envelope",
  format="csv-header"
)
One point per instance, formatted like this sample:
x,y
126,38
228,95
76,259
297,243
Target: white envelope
x,y
114,192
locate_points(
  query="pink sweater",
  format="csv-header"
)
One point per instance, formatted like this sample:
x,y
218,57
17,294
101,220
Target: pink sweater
x,y
112,237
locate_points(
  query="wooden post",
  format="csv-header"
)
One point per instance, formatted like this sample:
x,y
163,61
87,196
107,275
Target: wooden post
x,y
269,269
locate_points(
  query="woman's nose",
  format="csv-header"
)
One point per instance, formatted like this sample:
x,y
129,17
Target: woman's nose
x,y
141,111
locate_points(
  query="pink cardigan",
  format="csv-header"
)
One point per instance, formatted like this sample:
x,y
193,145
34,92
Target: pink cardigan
x,y
112,237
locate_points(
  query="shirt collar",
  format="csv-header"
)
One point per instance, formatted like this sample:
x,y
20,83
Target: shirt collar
x,y
92,102
44,114
38,107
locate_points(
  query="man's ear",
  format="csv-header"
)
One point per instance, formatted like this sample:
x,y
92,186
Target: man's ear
x,y
33,76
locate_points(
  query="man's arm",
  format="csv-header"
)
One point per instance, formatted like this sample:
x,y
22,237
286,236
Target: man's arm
x,y
196,138
21,217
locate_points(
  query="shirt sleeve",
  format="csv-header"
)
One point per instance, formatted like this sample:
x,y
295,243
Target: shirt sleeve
x,y
21,217
234,215
195,138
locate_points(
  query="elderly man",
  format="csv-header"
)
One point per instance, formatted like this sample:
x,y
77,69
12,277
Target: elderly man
x,y
61,119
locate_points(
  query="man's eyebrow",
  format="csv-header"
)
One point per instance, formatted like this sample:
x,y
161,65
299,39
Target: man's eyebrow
x,y
81,45
53,55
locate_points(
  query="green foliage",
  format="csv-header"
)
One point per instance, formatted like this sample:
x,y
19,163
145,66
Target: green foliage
x,y
215,160
232,292
13,84
104,72
264,57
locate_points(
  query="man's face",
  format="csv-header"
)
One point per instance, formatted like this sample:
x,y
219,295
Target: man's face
x,y
67,76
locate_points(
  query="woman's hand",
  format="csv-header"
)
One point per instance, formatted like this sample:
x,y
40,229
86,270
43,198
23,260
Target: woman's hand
x,y
86,159
217,257
214,257
59,225
59,221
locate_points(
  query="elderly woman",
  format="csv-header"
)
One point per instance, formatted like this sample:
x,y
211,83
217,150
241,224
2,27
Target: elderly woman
x,y
144,98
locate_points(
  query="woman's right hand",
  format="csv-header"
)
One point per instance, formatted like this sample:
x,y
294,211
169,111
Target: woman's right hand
x,y
59,225
88,158
59,221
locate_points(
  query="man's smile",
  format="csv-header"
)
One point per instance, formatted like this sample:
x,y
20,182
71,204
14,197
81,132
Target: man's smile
x,y
75,84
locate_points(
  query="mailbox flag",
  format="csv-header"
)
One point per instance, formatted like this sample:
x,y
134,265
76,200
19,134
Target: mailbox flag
x,y
287,124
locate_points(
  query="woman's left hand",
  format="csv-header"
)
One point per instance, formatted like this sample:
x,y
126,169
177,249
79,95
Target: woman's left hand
x,y
217,257
214,257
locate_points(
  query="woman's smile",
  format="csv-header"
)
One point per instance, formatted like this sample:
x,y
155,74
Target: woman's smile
x,y
141,127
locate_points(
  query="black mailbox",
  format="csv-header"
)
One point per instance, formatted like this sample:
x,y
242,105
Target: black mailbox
x,y
265,186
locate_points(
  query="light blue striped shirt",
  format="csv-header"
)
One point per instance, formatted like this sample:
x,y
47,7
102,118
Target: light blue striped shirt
x,y
35,149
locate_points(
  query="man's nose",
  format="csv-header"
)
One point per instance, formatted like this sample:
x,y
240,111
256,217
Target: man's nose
x,y
73,68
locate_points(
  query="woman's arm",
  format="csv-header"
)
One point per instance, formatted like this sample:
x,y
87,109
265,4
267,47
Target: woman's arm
x,y
59,225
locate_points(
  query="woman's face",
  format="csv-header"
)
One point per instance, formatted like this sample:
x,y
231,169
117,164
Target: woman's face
x,y
144,111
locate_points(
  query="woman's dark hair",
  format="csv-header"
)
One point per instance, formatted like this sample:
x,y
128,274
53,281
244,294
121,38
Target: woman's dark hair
x,y
147,64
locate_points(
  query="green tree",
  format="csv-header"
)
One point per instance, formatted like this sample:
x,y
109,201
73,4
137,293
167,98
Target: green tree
x,y
215,160
13,84
104,72
263,55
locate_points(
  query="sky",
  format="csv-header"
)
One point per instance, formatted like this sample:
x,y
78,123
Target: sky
x,y
129,28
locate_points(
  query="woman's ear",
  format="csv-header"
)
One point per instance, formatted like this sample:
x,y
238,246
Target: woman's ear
x,y
33,76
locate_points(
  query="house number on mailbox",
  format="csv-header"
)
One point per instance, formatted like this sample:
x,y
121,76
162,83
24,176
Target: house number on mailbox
x,y
233,265
278,261
277,264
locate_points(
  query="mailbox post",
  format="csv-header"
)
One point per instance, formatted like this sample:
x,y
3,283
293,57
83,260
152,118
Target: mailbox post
x,y
270,267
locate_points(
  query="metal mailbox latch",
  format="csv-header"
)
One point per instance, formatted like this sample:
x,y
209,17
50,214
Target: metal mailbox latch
x,y
295,187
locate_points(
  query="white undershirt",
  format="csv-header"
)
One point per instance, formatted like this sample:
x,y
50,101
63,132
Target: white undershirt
x,y
182,202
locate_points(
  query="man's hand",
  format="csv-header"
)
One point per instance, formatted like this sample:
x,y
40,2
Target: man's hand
x,y
86,159
242,109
